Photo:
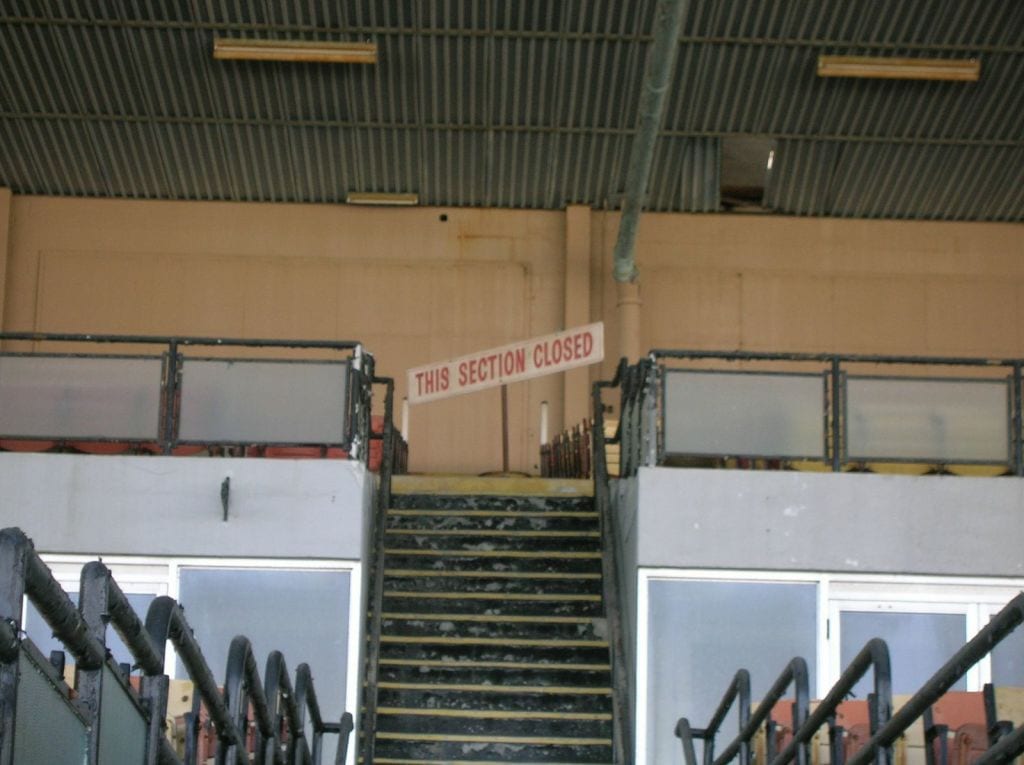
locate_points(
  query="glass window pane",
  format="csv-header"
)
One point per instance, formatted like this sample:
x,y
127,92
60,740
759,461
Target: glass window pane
x,y
40,633
304,614
700,633
1008,660
918,645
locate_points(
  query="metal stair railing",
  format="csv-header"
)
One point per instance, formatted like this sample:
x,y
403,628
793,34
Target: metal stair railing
x,y
102,686
376,592
885,726
622,736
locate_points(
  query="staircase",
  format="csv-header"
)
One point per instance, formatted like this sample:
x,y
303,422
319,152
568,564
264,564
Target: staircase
x,y
493,645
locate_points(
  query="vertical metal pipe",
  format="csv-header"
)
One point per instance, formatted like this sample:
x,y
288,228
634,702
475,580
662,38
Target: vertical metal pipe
x,y
405,419
837,457
170,397
543,423
504,428
1017,438
661,60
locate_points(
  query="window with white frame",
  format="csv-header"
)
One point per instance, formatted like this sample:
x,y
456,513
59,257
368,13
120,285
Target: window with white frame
x,y
697,627
306,609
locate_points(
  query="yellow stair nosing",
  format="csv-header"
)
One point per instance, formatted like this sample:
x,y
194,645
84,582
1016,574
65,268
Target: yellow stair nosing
x,y
525,596
440,512
511,665
416,572
497,618
494,533
558,554
510,642
493,714
576,690
401,761
478,739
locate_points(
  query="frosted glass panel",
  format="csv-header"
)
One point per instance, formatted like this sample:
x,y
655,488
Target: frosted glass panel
x,y
744,414
80,397
122,727
700,633
46,730
918,645
262,401
928,420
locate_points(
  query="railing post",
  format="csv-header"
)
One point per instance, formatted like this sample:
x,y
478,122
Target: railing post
x,y
649,395
1017,437
170,397
836,421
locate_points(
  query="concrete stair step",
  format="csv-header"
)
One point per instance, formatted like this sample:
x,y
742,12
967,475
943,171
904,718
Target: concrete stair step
x,y
417,578
494,540
511,520
493,603
492,627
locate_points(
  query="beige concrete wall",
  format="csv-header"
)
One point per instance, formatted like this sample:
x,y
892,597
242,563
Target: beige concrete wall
x,y
412,287
804,284
415,288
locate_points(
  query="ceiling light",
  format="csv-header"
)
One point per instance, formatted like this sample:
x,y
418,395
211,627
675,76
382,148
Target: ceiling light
x,y
771,159
380,198
322,52
962,70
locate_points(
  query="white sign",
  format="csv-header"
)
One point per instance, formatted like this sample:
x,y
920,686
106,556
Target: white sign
x,y
540,356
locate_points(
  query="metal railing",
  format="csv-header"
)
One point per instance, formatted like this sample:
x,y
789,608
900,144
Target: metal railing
x,y
568,455
886,727
105,721
715,408
167,399
622,732
375,588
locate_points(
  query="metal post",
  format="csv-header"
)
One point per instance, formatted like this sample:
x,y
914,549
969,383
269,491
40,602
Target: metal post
x,y
504,428
543,423
1017,438
836,406
170,397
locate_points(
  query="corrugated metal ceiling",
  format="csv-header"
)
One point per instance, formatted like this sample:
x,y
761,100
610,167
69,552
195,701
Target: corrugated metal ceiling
x,y
514,104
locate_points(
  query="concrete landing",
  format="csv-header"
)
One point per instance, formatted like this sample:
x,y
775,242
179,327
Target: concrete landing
x,y
492,485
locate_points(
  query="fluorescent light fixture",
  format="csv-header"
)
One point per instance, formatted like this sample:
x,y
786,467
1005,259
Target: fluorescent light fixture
x,y
380,198
960,70
771,160
320,52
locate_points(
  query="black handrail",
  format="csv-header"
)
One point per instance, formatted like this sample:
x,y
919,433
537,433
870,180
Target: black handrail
x,y
166,621
376,605
738,692
277,687
795,674
621,713
1002,624
27,575
242,687
885,726
306,701
102,603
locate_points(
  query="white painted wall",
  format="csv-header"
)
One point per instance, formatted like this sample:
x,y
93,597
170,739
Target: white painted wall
x,y
847,522
127,505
